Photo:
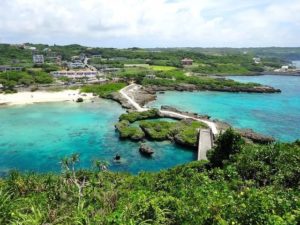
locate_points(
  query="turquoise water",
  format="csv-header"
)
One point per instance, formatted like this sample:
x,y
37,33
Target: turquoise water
x,y
277,114
35,138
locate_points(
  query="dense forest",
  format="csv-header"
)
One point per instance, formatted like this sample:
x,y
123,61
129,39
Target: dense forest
x,y
240,184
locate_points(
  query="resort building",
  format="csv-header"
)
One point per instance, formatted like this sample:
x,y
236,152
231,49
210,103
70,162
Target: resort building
x,y
75,74
38,59
187,62
284,68
10,68
75,65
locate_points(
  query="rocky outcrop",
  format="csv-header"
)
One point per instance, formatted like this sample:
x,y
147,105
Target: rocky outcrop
x,y
190,87
145,150
142,96
116,96
256,89
178,139
254,137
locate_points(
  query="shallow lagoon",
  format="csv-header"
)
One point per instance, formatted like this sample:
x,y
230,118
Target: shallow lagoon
x,y
277,114
35,138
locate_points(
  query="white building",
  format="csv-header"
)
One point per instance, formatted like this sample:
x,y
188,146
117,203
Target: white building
x,y
75,74
38,59
257,60
30,48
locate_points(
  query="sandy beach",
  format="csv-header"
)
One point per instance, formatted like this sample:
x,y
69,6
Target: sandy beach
x,y
22,98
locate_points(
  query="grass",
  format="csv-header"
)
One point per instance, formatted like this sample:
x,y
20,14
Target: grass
x,y
126,131
162,68
103,90
135,116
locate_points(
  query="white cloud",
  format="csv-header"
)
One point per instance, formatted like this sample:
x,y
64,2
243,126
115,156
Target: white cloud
x,y
150,23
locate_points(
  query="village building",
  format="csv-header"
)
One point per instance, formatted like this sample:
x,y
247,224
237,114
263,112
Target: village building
x,y
187,62
10,68
150,76
30,48
96,56
38,59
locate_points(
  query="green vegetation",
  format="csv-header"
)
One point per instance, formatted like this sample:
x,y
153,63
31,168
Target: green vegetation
x,y
257,184
130,132
135,116
13,78
158,130
103,90
183,132
14,55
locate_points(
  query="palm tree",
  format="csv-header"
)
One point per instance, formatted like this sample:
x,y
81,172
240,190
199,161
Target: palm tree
x,y
101,165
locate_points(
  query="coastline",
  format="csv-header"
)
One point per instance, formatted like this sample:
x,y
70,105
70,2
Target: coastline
x,y
24,98
141,96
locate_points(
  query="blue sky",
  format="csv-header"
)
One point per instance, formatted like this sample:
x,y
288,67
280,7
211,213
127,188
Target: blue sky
x,y
152,23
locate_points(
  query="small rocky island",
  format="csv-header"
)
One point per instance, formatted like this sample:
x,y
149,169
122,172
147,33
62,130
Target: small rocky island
x,y
145,150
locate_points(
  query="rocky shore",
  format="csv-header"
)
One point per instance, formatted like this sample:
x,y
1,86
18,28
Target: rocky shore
x,y
147,94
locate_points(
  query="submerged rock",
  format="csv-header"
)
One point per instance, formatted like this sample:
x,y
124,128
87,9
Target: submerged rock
x,y
117,157
79,100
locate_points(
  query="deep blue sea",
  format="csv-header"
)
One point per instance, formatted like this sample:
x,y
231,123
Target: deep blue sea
x,y
35,138
276,114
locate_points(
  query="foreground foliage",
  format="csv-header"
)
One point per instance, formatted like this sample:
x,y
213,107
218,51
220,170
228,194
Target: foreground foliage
x,y
256,184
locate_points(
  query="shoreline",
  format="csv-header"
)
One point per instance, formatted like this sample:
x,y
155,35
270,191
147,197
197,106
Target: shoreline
x,y
25,98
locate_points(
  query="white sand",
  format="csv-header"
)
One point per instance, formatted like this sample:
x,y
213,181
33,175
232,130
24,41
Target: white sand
x,y
21,98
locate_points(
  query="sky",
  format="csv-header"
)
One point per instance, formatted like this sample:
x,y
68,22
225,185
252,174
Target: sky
x,y
152,23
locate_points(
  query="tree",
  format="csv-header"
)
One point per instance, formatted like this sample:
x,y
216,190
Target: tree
x,y
228,143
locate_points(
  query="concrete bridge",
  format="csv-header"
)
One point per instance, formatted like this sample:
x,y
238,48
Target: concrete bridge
x,y
205,143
